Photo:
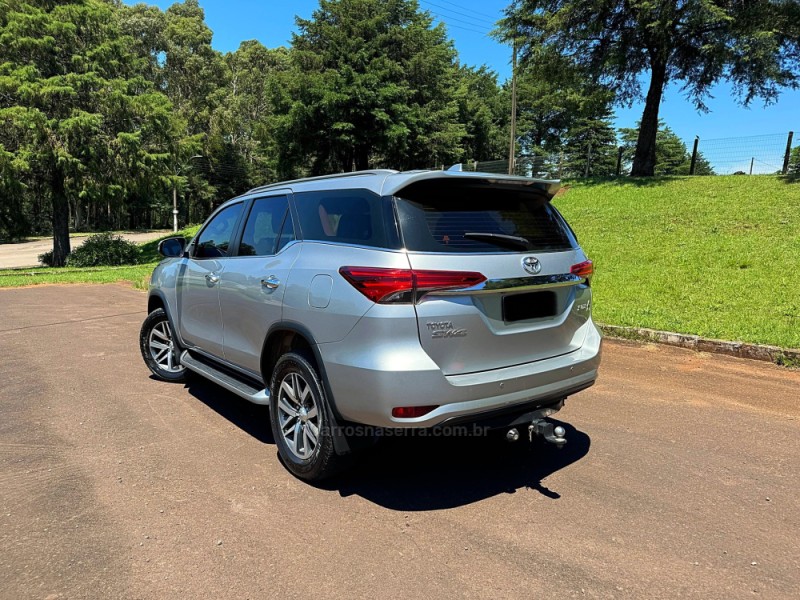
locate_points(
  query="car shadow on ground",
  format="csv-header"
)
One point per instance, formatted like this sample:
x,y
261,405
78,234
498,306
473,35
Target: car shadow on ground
x,y
250,418
434,473
423,472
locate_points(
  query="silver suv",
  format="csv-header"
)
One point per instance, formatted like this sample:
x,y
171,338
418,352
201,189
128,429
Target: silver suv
x,y
361,303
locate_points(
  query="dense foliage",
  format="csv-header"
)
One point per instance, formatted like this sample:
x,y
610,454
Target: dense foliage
x,y
109,113
107,110
622,43
81,124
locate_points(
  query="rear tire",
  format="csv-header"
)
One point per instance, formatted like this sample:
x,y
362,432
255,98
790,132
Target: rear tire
x,y
300,420
160,350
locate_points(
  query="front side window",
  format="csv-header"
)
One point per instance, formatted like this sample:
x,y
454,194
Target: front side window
x,y
215,239
268,228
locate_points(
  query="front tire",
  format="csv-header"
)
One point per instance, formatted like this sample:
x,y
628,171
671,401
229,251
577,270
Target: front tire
x,y
160,350
300,422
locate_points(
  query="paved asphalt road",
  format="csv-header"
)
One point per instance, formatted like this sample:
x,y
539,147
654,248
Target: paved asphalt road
x,y
680,479
27,254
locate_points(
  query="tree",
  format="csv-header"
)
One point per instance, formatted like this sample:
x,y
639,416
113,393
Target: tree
x,y
794,163
560,113
13,224
175,49
242,133
483,110
373,85
672,155
193,71
590,147
83,124
754,44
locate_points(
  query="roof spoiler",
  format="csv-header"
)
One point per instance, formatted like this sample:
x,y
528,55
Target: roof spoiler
x,y
545,187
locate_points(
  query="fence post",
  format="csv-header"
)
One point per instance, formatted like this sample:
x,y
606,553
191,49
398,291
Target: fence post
x,y
785,169
619,160
752,160
694,155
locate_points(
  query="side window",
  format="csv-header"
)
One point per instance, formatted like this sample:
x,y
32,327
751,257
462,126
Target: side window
x,y
268,227
215,239
347,216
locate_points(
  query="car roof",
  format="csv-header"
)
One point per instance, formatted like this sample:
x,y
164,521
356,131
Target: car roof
x,y
386,182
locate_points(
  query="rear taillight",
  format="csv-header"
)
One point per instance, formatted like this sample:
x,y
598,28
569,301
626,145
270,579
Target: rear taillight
x,y
405,285
379,285
584,269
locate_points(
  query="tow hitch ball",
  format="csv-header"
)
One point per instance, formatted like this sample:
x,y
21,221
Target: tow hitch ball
x,y
551,434
543,429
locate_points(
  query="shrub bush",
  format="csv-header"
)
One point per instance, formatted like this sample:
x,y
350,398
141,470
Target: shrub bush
x,y
104,249
46,258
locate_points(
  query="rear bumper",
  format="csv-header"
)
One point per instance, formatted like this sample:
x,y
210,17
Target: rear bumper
x,y
400,373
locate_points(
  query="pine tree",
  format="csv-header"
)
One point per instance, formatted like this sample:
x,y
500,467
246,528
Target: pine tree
x,y
77,111
374,87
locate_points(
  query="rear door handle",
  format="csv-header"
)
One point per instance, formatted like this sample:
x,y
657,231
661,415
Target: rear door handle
x,y
212,278
271,282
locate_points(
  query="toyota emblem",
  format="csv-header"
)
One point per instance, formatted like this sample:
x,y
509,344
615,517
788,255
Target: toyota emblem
x,y
531,264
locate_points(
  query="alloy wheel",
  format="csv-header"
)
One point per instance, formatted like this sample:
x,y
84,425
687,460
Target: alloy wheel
x,y
163,348
298,416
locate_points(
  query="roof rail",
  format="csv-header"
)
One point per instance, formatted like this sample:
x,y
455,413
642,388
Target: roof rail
x,y
322,177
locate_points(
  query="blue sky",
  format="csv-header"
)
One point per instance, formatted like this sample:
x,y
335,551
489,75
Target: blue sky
x,y
468,21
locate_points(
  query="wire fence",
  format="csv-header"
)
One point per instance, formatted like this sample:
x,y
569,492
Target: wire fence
x,y
753,155
770,154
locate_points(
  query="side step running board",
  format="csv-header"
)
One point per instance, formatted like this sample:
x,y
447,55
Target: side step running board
x,y
240,388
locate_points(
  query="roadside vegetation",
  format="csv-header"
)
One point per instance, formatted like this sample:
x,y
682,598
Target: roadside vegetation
x,y
710,256
705,256
136,274
112,112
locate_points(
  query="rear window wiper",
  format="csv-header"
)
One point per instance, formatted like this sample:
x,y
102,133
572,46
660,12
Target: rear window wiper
x,y
501,239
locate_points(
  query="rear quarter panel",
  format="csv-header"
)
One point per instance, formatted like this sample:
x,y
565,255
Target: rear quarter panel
x,y
331,319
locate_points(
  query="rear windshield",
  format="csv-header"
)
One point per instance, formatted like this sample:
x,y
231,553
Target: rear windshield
x,y
485,219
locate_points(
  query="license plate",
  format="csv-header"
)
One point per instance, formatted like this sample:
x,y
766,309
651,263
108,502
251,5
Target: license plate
x,y
533,305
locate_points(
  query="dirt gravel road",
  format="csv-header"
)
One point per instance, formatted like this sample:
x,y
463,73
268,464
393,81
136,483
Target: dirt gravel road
x,y
26,254
680,479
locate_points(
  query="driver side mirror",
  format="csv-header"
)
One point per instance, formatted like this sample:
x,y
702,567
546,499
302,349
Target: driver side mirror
x,y
172,247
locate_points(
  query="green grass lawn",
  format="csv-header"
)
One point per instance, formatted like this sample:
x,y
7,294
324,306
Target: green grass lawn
x,y
138,275
714,256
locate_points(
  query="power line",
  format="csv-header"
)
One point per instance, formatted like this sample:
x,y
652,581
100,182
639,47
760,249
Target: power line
x,y
441,20
480,20
477,12
446,20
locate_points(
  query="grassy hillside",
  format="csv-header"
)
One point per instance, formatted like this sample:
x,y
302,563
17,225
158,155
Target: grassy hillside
x,y
715,256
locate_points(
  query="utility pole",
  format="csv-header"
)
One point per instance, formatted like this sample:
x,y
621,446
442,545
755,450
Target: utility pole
x,y
513,145
175,206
